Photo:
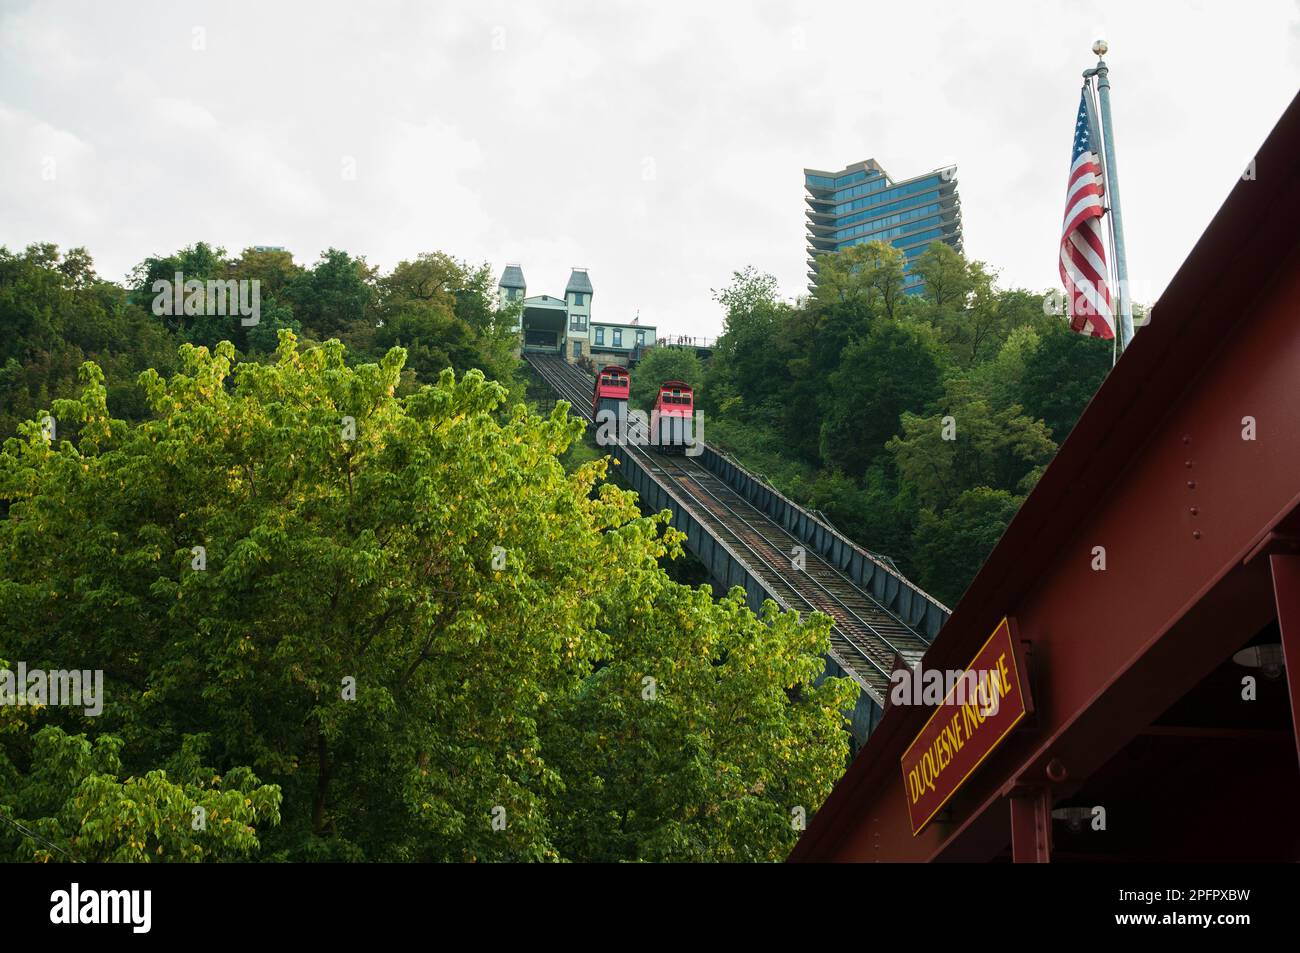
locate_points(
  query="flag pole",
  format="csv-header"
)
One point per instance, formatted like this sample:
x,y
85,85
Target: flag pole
x,y
1124,318
1112,277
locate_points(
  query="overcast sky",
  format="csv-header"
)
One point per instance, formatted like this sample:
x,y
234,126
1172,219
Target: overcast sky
x,y
659,144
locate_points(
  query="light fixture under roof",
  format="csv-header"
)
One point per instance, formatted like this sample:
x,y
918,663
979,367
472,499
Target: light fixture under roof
x,y
1074,817
1267,657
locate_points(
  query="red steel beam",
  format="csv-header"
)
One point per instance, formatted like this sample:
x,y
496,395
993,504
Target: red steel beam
x,y
1286,590
1031,826
1162,471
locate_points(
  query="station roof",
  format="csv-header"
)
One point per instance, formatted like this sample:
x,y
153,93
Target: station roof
x,y
622,324
545,301
512,277
578,282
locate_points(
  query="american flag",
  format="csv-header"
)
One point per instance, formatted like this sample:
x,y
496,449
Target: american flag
x,y
1083,254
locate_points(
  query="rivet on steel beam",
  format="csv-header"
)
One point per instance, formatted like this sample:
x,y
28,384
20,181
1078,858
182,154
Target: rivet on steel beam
x,y
1056,771
1196,511
1196,534
1191,484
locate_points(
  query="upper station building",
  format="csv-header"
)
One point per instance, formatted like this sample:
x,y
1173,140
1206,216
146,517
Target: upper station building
x,y
565,326
861,203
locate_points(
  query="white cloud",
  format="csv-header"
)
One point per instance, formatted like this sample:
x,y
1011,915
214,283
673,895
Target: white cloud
x,y
514,131
46,176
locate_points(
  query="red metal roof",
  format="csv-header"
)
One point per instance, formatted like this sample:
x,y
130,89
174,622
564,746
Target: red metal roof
x,y
1244,249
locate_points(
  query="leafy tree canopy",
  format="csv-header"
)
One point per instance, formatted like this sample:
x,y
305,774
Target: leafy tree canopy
x,y
884,410
393,626
663,364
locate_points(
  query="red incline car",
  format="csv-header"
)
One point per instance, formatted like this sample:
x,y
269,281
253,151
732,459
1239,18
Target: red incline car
x,y
673,417
610,393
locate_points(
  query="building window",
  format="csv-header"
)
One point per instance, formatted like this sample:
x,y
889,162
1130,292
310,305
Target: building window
x,y
600,335
577,349
577,299
640,339
618,337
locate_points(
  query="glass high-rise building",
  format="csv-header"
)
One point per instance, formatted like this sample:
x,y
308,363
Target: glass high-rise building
x,y
862,203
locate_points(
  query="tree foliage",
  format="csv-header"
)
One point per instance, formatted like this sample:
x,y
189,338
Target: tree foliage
x,y
903,417
73,805
393,624
952,543
663,364
1061,377
880,377
416,634
56,313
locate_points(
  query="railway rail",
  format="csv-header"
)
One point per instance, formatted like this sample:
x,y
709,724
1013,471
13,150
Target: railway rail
x,y
867,640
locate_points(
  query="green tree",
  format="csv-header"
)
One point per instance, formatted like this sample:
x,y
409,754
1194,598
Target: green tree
x,y
392,619
750,293
748,356
443,311
952,545
972,317
870,273
198,262
332,297
969,444
1061,376
893,370
949,280
73,805
701,734
275,270
433,341
54,315
839,409
433,280
663,364
264,337
1001,380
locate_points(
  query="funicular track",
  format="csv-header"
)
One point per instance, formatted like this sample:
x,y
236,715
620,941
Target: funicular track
x,y
866,638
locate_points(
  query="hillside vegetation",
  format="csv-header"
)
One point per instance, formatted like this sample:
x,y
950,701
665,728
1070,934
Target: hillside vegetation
x,y
347,601
917,424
